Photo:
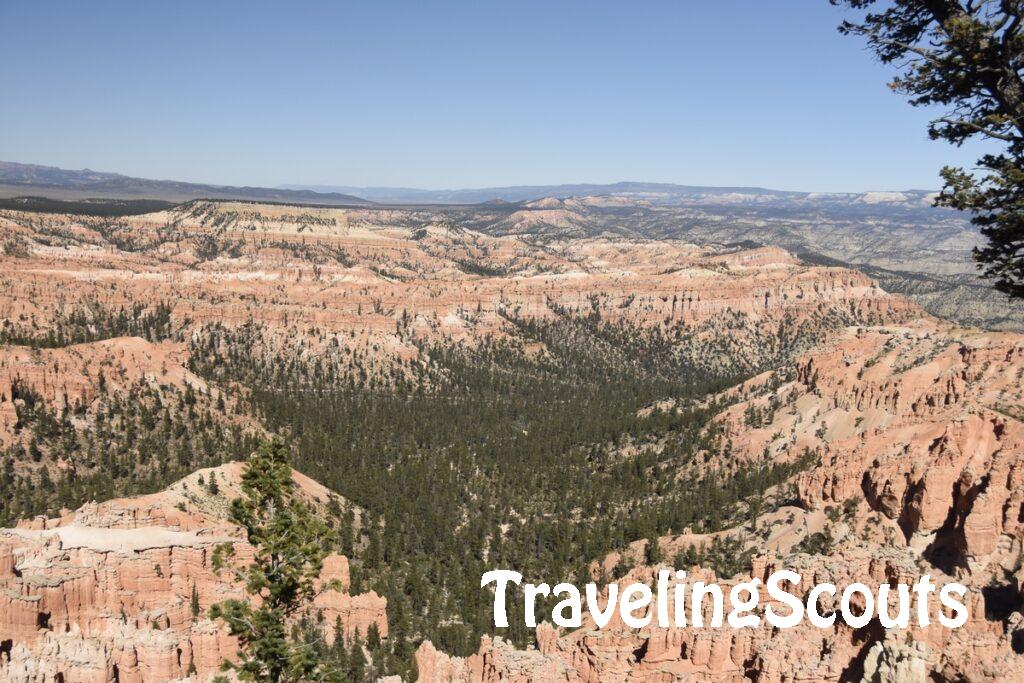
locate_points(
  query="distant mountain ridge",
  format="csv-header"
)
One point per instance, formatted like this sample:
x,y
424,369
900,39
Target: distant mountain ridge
x,y
656,193
30,179
19,180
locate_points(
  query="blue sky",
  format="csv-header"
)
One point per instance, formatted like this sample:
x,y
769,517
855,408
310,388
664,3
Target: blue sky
x,y
458,94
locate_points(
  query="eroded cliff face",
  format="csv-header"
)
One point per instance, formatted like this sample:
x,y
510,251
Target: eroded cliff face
x,y
921,423
360,273
72,377
920,470
106,593
981,650
372,289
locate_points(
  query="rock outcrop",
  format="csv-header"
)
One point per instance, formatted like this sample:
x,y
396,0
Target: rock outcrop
x,y
119,591
920,470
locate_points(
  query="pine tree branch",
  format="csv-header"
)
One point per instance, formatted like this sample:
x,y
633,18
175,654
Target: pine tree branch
x,y
981,129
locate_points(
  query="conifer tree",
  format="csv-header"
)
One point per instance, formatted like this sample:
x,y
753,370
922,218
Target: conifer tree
x,y
373,637
967,57
289,544
356,661
652,552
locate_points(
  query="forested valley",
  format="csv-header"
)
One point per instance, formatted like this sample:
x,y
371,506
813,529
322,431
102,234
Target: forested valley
x,y
528,451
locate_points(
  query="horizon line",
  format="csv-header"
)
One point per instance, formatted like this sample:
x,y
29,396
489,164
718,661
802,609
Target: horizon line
x,y
326,188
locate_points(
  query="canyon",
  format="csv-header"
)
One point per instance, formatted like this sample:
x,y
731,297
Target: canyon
x,y
921,473
883,442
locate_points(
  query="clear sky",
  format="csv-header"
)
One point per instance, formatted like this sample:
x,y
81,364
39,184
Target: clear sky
x,y
446,94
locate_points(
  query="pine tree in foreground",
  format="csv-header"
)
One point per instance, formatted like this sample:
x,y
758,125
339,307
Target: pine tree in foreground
x,y
289,543
967,57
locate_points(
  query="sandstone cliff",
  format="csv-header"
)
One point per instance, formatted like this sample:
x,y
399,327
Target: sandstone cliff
x,y
105,593
921,470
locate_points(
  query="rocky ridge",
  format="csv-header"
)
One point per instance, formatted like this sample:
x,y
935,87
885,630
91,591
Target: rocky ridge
x,y
922,459
329,277
108,592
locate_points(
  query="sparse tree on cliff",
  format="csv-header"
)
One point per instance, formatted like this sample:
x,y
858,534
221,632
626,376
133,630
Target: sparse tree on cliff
x,y
652,552
969,58
290,543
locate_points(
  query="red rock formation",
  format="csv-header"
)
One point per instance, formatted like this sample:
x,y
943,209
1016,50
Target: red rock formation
x,y
981,650
919,425
350,270
373,283
66,377
920,429
105,593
